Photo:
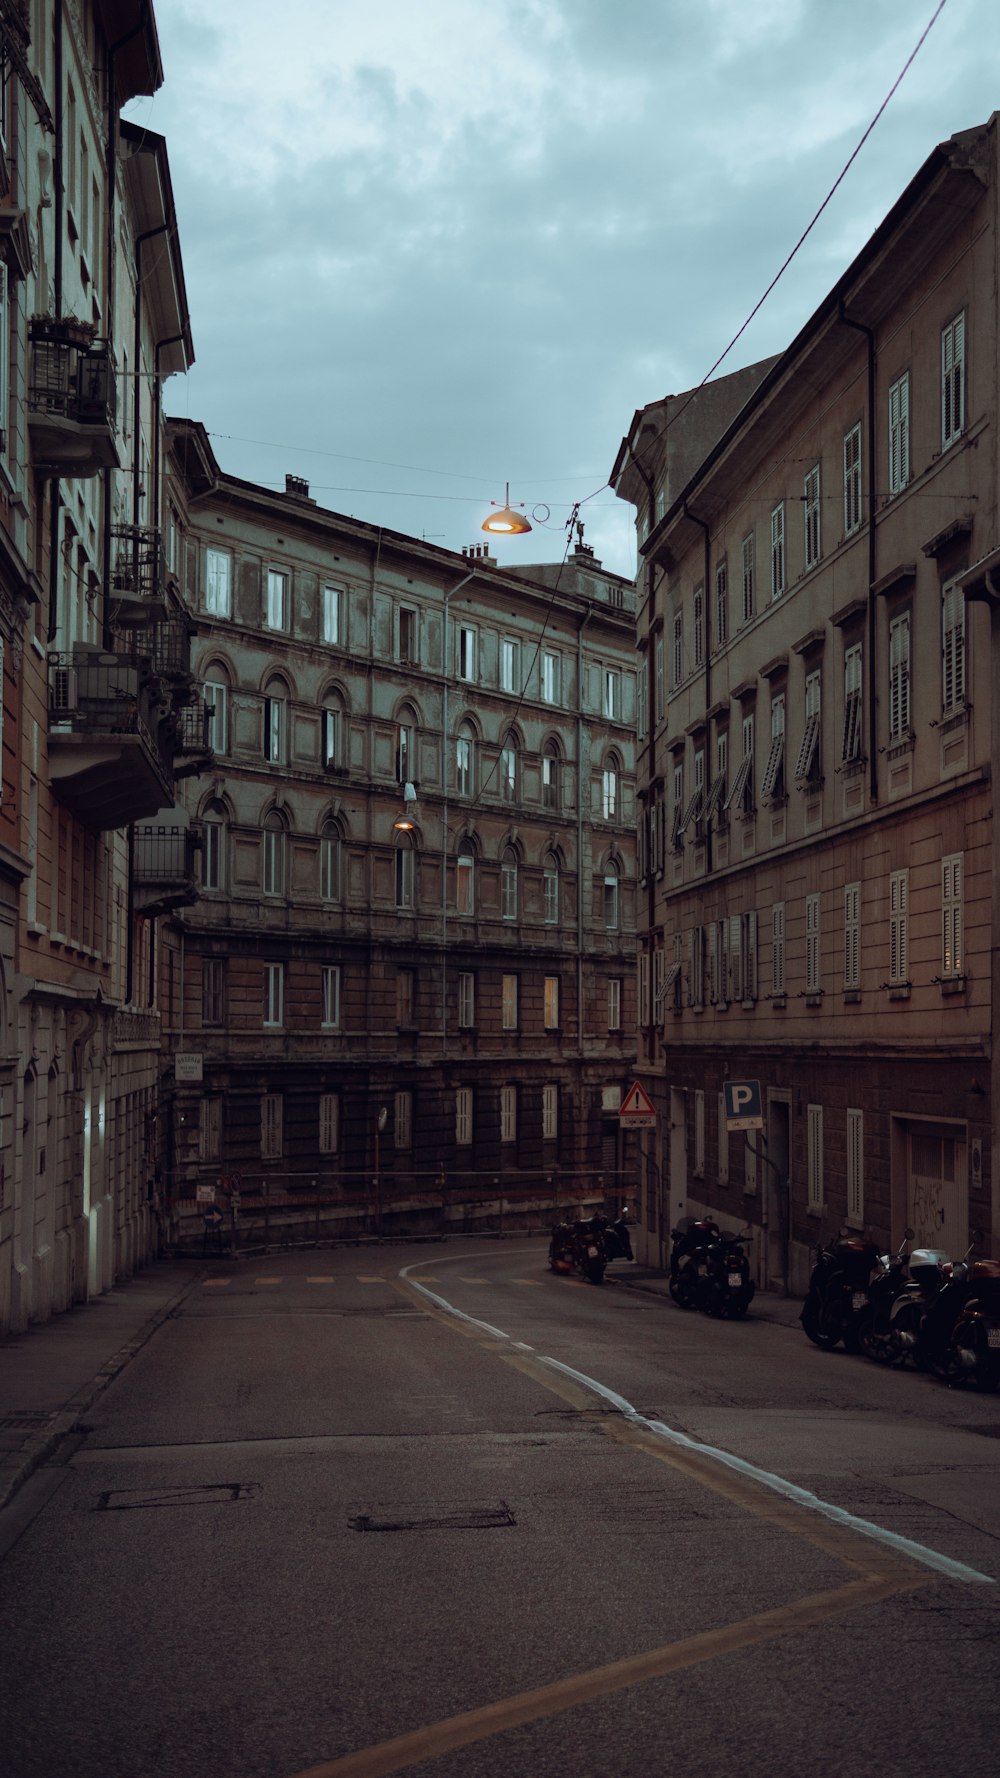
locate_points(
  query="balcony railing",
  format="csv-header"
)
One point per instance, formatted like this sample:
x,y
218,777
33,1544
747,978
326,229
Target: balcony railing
x,y
137,591
110,755
164,866
71,398
192,733
165,647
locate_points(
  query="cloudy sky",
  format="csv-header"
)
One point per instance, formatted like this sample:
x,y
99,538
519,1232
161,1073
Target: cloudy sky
x,y
435,245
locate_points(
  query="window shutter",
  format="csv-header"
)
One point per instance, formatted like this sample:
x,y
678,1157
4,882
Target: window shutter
x,y
750,954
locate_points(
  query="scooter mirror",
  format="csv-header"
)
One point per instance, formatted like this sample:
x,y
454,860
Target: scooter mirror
x,y
907,1234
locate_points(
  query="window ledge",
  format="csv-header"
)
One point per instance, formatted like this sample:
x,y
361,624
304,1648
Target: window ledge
x,y
814,999
901,991
955,719
953,984
777,1000
852,996
902,744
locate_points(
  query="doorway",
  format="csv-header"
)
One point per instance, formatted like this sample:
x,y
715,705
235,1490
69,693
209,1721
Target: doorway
x,y
937,1187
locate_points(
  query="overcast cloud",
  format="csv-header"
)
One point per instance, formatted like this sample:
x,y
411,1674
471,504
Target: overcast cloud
x,y
433,246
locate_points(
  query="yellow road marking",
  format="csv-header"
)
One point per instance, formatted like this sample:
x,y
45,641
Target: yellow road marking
x,y
466,1281
536,1283
329,1279
446,1737
370,1278
271,1280
215,1283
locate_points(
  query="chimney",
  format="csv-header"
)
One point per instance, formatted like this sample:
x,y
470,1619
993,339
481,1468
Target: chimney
x,y
298,487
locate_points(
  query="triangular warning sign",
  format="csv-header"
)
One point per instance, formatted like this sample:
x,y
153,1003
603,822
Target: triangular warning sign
x,y
638,1100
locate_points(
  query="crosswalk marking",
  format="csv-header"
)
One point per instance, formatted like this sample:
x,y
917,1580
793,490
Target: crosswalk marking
x,y
329,1279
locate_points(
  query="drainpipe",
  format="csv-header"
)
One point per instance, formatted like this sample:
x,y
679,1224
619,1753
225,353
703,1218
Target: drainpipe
x,y
445,767
860,327
149,234
59,206
171,340
588,614
706,782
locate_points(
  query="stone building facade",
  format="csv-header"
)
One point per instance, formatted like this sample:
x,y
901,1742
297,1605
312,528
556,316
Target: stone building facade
x,y
816,751
470,975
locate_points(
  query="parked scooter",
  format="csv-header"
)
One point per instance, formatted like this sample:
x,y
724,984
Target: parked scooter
x,y
689,1260
588,1244
727,1288
875,1334
952,1327
838,1292
973,1353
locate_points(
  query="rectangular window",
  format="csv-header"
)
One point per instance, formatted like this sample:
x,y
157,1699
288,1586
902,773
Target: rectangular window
x,y
773,782
609,793
855,1174
212,840
899,434
214,693
952,948
721,604
778,550
813,537
466,1000
405,997
677,650
277,599
508,1003
642,988
330,985
463,1116
406,635
405,876
218,583
611,903
722,1138
465,884
273,879
463,766
404,753
271,1126
509,665
699,626
213,990
612,694
734,960
696,965
953,380
852,481
551,1003
466,653
899,677
332,600
852,935
699,1133
851,747
614,1003
550,1111
274,995
329,1123
508,1114
331,737
778,948
550,678
660,686
642,699
898,933
508,773
402,1120
210,1128
677,820
747,566
812,944
807,766
550,884
814,1160
952,649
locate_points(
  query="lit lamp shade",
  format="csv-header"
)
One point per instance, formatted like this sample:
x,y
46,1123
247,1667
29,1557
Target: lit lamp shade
x,y
506,522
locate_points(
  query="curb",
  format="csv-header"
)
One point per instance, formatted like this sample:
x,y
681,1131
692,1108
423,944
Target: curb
x,y
649,1288
37,1450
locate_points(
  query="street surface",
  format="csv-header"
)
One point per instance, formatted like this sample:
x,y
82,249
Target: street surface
x,y
323,1524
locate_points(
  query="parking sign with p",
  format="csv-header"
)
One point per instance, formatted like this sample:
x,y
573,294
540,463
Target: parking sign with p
x,y
743,1105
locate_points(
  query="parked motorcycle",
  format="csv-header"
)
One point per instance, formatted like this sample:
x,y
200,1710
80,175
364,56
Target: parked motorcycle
x,y
838,1292
950,1322
727,1287
691,1239
588,1244
875,1333
561,1248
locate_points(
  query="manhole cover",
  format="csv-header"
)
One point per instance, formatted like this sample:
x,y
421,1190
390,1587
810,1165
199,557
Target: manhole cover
x,y
122,1500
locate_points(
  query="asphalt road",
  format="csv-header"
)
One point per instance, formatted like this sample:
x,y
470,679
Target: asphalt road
x,y
435,1510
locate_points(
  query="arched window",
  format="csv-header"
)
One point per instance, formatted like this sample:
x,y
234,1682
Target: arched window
x,y
550,880
275,722
406,871
406,745
213,847
215,690
465,880
333,733
508,884
465,760
508,768
611,790
273,846
330,862
612,910
550,775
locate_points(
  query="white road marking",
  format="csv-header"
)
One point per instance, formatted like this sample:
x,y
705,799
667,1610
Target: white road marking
x,y
917,1552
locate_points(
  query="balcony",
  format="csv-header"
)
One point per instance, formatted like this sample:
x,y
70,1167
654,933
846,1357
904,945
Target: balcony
x,y
71,399
164,865
191,730
165,648
137,586
110,749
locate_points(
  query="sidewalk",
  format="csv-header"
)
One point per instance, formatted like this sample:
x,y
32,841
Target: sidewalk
x,y
50,1375
766,1305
